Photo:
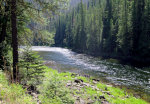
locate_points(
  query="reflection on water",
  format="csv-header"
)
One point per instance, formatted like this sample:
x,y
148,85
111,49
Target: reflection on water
x,y
66,60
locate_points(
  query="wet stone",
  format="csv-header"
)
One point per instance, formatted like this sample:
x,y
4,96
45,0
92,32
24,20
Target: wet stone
x,y
105,102
87,76
68,84
102,97
90,102
86,84
96,80
95,97
78,80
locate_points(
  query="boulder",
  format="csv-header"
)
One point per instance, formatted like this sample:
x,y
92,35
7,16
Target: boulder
x,y
78,80
102,97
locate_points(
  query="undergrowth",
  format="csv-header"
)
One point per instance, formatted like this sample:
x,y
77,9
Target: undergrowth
x,y
13,93
54,90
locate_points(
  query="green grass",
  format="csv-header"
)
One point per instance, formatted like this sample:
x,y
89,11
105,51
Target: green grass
x,y
112,94
13,93
54,90
120,96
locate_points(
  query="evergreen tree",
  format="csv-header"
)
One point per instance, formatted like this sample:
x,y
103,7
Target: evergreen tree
x,y
93,37
137,24
14,38
83,37
110,28
107,23
32,68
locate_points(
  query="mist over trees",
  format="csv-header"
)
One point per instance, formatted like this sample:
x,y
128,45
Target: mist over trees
x,y
109,28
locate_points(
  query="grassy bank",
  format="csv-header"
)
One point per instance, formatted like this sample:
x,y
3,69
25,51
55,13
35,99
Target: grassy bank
x,y
13,93
66,88
82,90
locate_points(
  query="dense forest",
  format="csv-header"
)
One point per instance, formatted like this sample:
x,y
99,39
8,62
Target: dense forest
x,y
113,29
109,28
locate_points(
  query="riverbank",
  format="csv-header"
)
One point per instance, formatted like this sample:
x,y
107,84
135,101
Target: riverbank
x,y
119,58
91,91
69,88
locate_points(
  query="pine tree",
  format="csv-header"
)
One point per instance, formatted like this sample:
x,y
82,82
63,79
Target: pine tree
x,y
14,38
137,19
111,28
107,23
83,37
93,37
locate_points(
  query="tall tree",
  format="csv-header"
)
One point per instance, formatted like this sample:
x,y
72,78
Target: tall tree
x,y
137,24
112,28
83,36
107,22
14,38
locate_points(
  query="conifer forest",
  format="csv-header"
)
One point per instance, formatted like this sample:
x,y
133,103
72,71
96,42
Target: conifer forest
x,y
74,51
109,28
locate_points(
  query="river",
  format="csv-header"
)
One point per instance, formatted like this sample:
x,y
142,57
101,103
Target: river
x,y
123,75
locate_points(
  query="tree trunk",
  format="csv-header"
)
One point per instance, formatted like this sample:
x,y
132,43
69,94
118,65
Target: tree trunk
x,y
14,39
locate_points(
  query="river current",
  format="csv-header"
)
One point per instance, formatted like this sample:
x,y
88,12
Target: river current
x,y
66,60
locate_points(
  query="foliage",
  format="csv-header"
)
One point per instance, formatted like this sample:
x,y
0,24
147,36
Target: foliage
x,y
53,90
15,17
107,28
31,66
13,93
5,56
43,38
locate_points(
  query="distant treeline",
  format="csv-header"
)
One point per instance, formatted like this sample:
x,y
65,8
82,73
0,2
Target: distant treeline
x,y
108,28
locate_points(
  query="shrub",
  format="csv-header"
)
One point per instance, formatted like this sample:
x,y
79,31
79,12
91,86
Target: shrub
x,y
53,90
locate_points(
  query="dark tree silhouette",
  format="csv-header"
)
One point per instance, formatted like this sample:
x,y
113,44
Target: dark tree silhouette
x,y
14,39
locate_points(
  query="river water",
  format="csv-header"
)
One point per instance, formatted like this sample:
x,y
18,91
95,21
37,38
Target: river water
x,y
66,60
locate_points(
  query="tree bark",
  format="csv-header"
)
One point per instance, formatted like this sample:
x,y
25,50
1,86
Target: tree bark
x,y
14,39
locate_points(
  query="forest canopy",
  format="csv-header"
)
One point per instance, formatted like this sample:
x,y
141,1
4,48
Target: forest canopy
x,y
108,28
107,33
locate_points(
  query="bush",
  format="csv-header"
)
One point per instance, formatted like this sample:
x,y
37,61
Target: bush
x,y
53,90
